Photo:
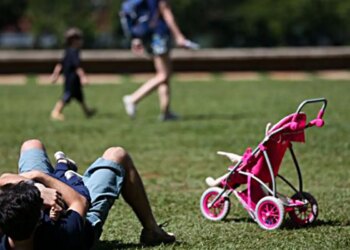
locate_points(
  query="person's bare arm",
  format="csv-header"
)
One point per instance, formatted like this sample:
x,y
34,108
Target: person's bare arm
x,y
82,75
167,14
56,72
7,178
51,197
73,199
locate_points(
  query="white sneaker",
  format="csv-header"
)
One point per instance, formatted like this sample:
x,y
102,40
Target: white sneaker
x,y
62,158
59,155
130,107
70,173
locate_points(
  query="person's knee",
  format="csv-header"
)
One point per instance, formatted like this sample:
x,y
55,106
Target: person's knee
x,y
163,77
32,144
116,154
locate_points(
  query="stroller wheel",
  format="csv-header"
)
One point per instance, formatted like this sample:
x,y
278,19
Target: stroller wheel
x,y
269,213
305,214
219,210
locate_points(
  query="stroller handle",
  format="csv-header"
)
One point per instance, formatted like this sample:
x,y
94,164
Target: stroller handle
x,y
318,121
304,103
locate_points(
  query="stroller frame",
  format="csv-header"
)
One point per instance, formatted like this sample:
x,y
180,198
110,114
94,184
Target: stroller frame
x,y
280,203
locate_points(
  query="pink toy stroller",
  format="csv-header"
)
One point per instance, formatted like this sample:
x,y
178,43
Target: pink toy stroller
x,y
258,169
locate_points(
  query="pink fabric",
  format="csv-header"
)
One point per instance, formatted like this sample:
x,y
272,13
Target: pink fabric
x,y
251,196
293,125
275,149
247,156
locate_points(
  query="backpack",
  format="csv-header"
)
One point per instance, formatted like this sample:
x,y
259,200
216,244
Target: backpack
x,y
138,17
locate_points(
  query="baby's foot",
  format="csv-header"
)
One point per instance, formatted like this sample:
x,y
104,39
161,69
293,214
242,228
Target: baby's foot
x,y
62,158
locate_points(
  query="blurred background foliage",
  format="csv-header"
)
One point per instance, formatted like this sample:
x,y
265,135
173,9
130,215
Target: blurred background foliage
x,y
213,23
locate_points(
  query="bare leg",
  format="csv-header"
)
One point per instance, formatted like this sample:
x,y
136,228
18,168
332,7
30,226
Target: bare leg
x,y
133,190
56,113
164,88
163,71
135,195
164,97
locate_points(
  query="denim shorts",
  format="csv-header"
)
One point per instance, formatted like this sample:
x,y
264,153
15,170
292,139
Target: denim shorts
x,y
157,44
103,178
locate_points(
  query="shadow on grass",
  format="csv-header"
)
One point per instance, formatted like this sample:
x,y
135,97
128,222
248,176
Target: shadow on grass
x,y
239,220
318,223
115,244
290,225
104,115
202,117
194,117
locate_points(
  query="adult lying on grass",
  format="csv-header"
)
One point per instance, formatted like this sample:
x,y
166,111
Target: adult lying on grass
x,y
24,226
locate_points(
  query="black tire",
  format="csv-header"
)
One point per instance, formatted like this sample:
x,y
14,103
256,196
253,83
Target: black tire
x,y
307,214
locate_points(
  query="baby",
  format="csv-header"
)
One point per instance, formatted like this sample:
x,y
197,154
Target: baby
x,y
66,171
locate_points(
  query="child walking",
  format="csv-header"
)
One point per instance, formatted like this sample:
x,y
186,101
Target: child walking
x,y
74,75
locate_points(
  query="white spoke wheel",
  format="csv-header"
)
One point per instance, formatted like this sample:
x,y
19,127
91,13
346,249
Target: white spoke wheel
x,y
219,210
269,213
306,214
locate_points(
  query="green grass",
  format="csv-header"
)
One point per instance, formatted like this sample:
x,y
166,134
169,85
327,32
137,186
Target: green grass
x,y
175,157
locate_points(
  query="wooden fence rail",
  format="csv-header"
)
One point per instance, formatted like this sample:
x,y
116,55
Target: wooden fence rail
x,y
213,60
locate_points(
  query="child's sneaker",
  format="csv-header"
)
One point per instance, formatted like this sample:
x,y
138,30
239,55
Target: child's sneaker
x,y
90,113
70,174
62,158
169,117
129,106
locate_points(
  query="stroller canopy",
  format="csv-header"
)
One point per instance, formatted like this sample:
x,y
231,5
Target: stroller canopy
x,y
281,135
292,128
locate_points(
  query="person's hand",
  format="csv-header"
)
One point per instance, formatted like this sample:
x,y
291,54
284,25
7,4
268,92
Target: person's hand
x,y
54,214
180,41
51,197
84,80
54,78
56,72
82,76
137,46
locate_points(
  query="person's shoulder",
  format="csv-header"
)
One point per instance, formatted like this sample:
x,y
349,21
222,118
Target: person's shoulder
x,y
71,214
70,227
69,221
72,222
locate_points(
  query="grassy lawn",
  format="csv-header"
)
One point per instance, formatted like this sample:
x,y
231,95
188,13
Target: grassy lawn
x,y
174,158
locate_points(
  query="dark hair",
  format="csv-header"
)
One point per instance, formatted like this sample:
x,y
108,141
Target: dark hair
x,y
72,34
20,210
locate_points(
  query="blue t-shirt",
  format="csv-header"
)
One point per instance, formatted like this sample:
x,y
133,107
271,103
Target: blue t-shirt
x,y
69,233
161,27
